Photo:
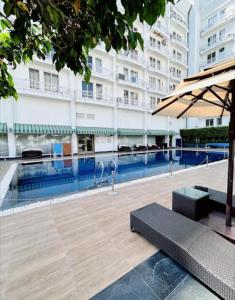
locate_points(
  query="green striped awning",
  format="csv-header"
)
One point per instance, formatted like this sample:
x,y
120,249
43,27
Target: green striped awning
x,y
172,132
3,128
95,130
127,131
42,129
157,132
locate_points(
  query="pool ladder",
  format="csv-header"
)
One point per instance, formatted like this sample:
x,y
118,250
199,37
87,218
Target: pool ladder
x,y
101,180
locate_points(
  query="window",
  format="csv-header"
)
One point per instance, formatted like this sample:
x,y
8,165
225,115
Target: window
x,y
134,54
212,40
219,121
134,98
126,97
152,42
152,82
51,82
99,91
222,34
212,20
221,52
159,83
158,44
152,62
134,76
211,57
179,56
90,62
152,102
209,122
158,64
98,65
221,13
34,79
90,116
87,89
126,73
80,115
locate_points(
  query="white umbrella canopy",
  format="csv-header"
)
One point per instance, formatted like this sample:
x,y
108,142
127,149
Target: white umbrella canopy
x,y
208,93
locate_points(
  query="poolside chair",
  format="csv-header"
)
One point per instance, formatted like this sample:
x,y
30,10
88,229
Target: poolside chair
x,y
201,251
217,199
139,148
124,148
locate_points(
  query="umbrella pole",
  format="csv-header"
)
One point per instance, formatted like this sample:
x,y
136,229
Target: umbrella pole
x,y
231,160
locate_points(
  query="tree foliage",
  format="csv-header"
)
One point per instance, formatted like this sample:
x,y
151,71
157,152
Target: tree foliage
x,y
71,28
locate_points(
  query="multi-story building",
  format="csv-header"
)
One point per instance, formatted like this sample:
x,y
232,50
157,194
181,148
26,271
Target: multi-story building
x,y
211,41
114,108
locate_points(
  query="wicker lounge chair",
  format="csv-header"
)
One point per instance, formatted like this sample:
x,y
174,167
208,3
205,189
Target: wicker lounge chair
x,y
139,148
217,199
197,248
124,148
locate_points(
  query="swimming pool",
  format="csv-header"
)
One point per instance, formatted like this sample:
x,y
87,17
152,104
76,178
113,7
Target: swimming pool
x,y
39,181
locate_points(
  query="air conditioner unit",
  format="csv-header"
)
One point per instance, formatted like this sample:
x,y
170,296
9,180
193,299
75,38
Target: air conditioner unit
x,y
164,42
121,76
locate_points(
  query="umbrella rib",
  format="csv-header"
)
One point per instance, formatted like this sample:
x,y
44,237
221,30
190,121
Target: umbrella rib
x,y
226,99
168,104
222,88
217,96
194,100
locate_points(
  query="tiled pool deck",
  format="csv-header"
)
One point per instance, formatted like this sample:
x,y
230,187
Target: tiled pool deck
x,y
75,249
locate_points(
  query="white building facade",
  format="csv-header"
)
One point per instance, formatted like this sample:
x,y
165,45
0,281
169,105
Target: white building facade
x,y
113,109
211,41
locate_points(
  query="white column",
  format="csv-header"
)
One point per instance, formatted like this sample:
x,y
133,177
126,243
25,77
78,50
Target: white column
x,y
72,92
7,115
115,109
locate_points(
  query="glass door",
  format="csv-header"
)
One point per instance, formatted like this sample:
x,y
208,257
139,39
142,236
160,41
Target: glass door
x,y
86,144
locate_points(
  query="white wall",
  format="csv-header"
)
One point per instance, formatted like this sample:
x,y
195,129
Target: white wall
x,y
133,120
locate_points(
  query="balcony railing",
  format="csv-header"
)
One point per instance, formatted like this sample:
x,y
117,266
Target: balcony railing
x,y
101,71
178,40
217,59
229,14
129,103
178,19
160,28
91,96
179,59
31,86
134,57
156,89
159,48
157,68
130,80
227,38
176,76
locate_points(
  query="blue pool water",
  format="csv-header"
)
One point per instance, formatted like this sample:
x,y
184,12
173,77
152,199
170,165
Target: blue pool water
x,y
48,179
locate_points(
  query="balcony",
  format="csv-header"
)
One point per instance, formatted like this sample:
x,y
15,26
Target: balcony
x,y
101,72
132,57
84,96
160,29
40,89
158,48
229,37
133,104
179,60
179,20
155,68
179,41
229,14
130,80
175,76
153,88
217,59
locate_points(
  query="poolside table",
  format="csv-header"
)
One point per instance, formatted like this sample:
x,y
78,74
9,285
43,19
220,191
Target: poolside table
x,y
191,203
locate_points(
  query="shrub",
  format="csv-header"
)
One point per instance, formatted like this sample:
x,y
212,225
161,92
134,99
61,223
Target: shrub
x,y
205,135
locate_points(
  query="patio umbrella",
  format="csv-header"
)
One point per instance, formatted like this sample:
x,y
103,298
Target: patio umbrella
x,y
208,93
